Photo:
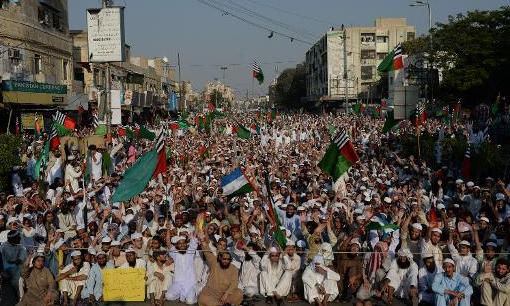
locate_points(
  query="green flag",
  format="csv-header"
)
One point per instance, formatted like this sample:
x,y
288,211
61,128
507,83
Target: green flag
x,y
101,130
390,121
356,108
43,159
61,130
495,106
183,124
145,133
243,132
130,134
137,177
387,63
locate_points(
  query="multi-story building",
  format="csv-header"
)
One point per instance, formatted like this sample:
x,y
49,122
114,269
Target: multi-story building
x,y
226,91
342,65
35,54
139,83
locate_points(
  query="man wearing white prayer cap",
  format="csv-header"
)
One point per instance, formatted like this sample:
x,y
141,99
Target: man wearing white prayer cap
x,y
73,277
465,263
402,278
183,287
450,287
272,269
320,282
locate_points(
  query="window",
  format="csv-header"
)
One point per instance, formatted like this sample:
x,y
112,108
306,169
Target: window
x,y
382,39
381,56
411,35
367,72
367,54
37,64
367,38
65,70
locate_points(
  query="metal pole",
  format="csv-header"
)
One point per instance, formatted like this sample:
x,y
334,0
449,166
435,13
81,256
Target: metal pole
x,y
345,65
108,109
431,48
180,84
9,122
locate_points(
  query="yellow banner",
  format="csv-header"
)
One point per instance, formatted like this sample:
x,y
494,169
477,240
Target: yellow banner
x,y
28,120
124,285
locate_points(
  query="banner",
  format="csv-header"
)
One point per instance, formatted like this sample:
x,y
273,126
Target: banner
x,y
172,102
28,120
124,285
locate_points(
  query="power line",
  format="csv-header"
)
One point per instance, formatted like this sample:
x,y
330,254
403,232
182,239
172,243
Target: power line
x,y
254,23
292,13
237,64
244,10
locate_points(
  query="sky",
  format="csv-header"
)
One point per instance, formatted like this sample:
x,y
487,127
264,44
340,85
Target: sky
x,y
207,38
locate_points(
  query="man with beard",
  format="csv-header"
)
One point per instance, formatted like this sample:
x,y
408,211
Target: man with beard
x,y
93,290
410,236
132,261
402,279
72,278
222,285
451,288
350,267
426,276
184,285
320,282
291,220
159,276
431,244
13,255
495,284
272,268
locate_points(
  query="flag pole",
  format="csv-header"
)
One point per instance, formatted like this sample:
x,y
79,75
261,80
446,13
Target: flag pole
x,y
418,132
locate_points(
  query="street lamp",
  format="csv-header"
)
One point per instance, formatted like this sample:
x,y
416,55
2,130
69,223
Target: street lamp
x,y
427,4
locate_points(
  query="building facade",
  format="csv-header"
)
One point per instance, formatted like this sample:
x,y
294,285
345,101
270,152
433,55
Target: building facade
x,y
137,84
36,65
342,65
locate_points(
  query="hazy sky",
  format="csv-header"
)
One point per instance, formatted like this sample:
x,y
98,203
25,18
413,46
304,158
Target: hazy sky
x,y
208,39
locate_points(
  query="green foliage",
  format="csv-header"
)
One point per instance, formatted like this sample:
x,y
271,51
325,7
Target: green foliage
x,y
9,156
290,87
472,50
486,160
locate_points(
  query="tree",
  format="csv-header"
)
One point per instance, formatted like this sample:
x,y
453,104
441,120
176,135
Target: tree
x,y
9,145
472,52
290,87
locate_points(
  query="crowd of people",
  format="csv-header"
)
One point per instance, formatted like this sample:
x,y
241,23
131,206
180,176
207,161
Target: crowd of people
x,y
393,228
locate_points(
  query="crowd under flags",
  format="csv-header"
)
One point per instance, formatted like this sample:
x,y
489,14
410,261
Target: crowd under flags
x,y
340,156
137,177
392,61
257,72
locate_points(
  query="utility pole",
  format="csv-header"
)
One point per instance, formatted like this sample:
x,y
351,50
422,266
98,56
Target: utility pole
x,y
180,84
344,38
108,108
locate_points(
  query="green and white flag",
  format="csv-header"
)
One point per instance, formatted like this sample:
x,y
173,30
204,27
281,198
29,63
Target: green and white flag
x,y
235,184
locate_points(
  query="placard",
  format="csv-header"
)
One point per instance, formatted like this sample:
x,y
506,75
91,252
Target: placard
x,y
124,285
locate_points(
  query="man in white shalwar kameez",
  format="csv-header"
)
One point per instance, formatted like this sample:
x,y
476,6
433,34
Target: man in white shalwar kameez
x,y
184,284
402,278
73,277
291,264
159,277
249,275
320,282
272,270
